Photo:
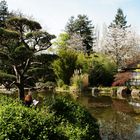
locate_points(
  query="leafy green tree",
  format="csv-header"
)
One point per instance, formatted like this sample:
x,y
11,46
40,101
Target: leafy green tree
x,y
84,62
73,42
22,39
83,27
102,71
44,73
62,40
65,65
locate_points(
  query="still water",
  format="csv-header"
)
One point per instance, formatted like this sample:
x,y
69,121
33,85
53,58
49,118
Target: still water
x,y
119,119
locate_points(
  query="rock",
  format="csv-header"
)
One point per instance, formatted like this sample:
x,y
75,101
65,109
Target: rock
x,y
134,104
123,92
135,94
95,91
113,93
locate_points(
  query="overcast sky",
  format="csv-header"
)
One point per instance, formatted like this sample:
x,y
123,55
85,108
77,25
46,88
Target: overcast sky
x,y
54,14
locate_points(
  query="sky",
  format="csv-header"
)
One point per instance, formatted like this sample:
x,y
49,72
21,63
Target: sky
x,y
53,15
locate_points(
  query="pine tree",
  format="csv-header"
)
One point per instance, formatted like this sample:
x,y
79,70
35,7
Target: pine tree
x,y
3,12
120,20
83,27
19,43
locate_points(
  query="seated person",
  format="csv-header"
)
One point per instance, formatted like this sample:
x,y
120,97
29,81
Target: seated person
x,y
28,99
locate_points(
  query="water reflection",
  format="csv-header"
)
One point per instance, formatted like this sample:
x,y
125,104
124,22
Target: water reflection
x,y
117,118
120,127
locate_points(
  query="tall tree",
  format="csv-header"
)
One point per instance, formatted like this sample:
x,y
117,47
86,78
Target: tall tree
x,y
73,42
3,13
22,39
65,65
120,41
62,40
44,73
83,27
120,20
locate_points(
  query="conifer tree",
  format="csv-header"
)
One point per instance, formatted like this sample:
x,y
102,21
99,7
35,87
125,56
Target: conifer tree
x,y
120,20
19,43
3,12
83,27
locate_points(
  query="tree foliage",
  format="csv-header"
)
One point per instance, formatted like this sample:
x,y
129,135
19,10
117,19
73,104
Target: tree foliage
x,y
99,67
44,71
3,13
20,41
120,41
120,20
62,40
64,66
83,27
76,43
122,78
102,71
73,42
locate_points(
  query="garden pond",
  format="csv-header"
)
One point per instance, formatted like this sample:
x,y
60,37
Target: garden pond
x,y
119,119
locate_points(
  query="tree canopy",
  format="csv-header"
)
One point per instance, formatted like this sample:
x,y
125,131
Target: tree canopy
x,y
120,41
120,20
83,27
65,65
20,41
3,12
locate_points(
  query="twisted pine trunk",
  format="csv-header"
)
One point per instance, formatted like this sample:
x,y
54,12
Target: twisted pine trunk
x,y
21,92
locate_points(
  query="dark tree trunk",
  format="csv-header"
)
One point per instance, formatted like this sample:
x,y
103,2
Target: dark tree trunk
x,y
19,82
21,92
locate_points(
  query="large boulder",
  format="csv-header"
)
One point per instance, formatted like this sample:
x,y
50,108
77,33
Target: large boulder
x,y
95,91
135,93
123,92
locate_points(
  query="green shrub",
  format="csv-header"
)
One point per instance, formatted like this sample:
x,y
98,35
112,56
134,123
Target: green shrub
x,y
60,83
80,81
19,122
76,80
102,71
48,84
64,66
65,87
61,120
80,123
